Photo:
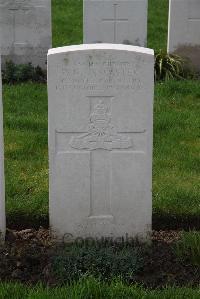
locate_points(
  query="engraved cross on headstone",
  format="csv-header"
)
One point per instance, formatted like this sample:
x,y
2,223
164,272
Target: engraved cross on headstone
x,y
101,140
115,20
18,11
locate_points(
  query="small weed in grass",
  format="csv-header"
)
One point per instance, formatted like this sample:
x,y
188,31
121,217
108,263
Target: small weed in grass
x,y
188,248
168,66
75,261
172,66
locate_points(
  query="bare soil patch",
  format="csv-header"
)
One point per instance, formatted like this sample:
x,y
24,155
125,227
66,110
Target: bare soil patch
x,y
27,257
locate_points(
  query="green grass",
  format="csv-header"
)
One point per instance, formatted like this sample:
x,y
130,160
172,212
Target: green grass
x,y
157,24
176,131
176,171
26,153
91,288
176,166
188,247
67,18
67,22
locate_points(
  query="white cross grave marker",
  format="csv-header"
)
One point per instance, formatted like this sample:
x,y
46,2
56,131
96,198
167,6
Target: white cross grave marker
x,y
100,140
18,14
184,30
115,21
25,31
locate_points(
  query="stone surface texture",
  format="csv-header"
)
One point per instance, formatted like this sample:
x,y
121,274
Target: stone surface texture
x,y
2,187
184,29
25,31
100,140
115,21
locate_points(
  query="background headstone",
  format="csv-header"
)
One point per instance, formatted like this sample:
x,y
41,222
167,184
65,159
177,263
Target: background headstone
x,y
100,140
184,29
115,21
2,187
25,31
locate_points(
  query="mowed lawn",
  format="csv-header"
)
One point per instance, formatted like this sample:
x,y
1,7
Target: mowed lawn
x,y
176,166
91,288
67,19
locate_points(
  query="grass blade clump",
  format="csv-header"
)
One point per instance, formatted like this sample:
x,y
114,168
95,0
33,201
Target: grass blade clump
x,y
188,248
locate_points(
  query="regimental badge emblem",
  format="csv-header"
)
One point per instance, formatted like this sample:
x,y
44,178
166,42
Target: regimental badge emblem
x,y
101,133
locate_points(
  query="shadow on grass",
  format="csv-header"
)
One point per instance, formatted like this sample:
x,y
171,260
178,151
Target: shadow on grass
x,y
160,222
19,222
175,222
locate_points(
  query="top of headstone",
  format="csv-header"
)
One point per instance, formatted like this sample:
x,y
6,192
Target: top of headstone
x,y
101,46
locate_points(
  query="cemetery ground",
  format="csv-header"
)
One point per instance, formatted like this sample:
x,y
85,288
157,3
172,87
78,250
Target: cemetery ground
x,y
172,260
176,150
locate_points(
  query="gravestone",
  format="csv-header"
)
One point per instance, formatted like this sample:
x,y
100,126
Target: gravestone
x,y
2,188
100,140
115,21
184,29
25,31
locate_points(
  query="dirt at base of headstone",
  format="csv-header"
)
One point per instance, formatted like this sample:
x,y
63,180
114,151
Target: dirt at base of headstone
x,y
26,257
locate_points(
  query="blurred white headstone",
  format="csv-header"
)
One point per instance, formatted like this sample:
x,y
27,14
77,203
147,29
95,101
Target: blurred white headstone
x,y
184,29
115,21
25,31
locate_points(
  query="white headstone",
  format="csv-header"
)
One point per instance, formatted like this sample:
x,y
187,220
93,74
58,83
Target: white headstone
x,y
184,29
25,31
100,140
2,187
115,21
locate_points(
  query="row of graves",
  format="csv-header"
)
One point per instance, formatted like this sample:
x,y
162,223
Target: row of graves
x,y
100,97
25,27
